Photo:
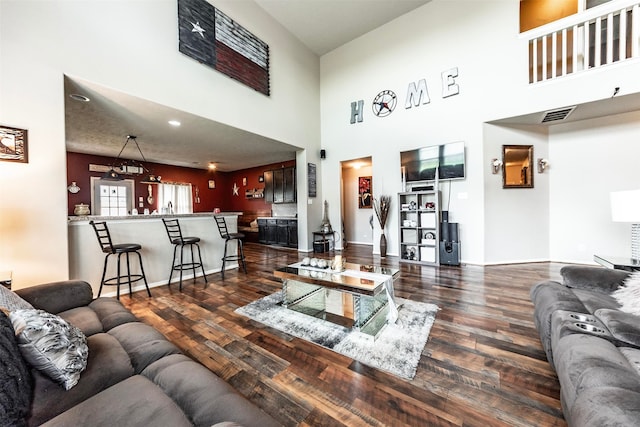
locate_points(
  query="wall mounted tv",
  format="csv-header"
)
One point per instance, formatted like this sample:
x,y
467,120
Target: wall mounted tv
x,y
421,164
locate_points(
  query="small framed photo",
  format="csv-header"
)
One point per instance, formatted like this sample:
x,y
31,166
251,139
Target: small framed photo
x,y
212,184
244,181
261,178
13,144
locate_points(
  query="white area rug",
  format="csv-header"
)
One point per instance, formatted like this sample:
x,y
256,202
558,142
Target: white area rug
x,y
397,349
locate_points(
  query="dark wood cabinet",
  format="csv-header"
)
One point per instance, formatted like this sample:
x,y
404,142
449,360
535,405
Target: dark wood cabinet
x,y
282,232
268,186
293,234
289,185
280,185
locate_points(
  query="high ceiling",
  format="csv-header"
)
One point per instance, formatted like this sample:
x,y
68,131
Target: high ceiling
x,y
101,125
323,25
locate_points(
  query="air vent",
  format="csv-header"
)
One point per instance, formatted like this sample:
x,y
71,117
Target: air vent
x,y
557,115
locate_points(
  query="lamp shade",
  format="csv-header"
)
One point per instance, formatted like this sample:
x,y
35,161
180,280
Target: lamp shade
x,y
625,206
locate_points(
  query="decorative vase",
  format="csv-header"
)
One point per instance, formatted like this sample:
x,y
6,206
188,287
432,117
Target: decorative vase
x,y
82,210
383,245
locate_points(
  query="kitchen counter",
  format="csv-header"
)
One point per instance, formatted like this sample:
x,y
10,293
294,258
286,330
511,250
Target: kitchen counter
x,y
149,216
86,259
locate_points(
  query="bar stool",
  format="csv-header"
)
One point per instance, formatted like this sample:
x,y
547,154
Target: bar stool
x,y
107,246
224,233
175,236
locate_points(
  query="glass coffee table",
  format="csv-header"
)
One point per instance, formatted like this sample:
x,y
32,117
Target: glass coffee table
x,y
361,297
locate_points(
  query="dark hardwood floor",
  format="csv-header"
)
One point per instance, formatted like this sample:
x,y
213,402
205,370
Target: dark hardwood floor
x,y
483,364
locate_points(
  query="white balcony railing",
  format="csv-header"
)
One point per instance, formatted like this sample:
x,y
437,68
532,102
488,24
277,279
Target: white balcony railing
x,y
599,36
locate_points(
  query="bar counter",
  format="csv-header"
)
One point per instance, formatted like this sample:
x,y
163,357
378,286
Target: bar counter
x,y
86,259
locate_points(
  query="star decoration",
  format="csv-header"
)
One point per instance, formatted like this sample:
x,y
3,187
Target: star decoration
x,y
235,189
197,28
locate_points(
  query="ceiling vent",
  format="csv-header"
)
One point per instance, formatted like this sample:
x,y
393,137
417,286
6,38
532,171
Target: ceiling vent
x,y
557,115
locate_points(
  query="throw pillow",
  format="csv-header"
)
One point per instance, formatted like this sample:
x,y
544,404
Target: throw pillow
x,y
628,295
10,301
51,345
15,378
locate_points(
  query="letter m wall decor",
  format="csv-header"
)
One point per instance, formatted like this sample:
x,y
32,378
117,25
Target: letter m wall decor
x,y
212,38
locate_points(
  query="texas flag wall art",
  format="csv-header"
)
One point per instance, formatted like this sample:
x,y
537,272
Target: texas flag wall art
x,y
212,38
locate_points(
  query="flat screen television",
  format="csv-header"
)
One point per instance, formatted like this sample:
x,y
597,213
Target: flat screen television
x,y
421,164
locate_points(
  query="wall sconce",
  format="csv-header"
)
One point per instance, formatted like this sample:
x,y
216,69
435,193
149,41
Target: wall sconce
x,y
495,166
542,165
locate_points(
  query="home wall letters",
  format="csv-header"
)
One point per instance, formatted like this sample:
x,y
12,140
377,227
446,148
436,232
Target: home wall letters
x,y
417,94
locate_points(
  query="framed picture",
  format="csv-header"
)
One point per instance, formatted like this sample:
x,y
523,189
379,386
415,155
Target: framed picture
x,y
212,184
244,181
365,194
261,178
13,144
311,178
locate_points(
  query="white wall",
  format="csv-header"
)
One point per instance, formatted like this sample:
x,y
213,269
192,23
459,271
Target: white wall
x,y
356,220
516,221
590,159
480,38
131,47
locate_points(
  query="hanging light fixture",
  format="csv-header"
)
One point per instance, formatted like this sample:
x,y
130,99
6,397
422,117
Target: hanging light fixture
x,y
131,166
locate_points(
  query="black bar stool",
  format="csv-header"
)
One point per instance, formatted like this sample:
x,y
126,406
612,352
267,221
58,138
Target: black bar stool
x,y
107,246
175,236
224,233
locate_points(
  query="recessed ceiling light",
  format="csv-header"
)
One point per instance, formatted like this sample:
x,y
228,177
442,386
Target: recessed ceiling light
x,y
212,166
174,123
78,97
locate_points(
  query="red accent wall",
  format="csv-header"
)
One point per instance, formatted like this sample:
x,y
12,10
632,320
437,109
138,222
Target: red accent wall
x,y
78,171
220,197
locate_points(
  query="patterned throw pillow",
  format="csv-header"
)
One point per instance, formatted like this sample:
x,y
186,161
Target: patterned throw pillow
x,y
628,295
51,345
10,301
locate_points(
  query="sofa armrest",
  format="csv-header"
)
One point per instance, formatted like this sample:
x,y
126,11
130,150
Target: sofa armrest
x,y
598,279
57,297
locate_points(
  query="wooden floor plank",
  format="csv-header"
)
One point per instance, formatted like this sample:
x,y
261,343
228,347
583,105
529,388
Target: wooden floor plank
x,y
483,364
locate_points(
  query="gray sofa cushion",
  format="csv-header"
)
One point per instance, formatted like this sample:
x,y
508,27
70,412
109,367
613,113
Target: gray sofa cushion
x,y
624,327
597,279
204,396
133,402
584,362
108,364
606,406
84,319
58,296
143,344
111,313
549,297
593,301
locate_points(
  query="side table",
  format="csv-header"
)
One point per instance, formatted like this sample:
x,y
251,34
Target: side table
x,y
322,239
617,263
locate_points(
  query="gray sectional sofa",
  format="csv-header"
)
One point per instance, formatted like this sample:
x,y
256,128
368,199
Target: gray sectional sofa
x,y
593,346
133,375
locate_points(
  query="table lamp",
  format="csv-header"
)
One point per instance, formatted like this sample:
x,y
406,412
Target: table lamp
x,y
625,207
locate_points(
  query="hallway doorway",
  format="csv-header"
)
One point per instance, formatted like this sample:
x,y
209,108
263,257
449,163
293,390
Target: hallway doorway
x,y
357,202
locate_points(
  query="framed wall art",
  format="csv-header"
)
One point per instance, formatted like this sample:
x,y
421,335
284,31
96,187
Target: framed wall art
x,y
212,184
365,194
13,144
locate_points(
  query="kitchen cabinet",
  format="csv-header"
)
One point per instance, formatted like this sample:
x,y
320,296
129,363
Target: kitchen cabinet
x,y
268,186
281,232
280,185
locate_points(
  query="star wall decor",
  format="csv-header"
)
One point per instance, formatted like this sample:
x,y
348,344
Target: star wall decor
x,y
221,43
197,29
235,189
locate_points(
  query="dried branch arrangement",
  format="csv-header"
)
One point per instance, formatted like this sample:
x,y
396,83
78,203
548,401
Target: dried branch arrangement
x,y
382,206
